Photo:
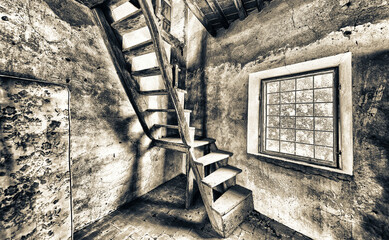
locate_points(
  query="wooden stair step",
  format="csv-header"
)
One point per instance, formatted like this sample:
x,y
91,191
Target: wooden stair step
x,y
115,3
196,143
145,61
212,157
135,38
143,49
231,209
121,10
170,126
147,72
166,110
175,143
130,23
143,46
160,92
230,199
221,175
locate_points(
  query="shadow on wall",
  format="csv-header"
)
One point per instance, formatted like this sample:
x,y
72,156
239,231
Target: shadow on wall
x,y
147,165
375,122
196,84
70,12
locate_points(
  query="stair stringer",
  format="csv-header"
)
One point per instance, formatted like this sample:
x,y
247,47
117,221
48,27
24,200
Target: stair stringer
x,y
216,223
222,223
165,68
129,84
166,71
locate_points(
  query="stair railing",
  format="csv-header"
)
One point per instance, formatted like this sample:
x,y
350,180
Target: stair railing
x,y
167,75
166,69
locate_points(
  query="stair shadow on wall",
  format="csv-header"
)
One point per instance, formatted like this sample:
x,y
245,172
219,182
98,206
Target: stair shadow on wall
x,y
149,165
377,222
375,132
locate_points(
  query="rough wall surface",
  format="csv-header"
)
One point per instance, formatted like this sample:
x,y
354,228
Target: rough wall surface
x,y
34,161
112,163
316,203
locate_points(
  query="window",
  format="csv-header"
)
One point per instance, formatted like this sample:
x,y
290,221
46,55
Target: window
x,y
165,14
302,113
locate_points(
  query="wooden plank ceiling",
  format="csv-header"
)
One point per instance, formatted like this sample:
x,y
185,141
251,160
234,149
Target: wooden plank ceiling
x,y
213,14
216,14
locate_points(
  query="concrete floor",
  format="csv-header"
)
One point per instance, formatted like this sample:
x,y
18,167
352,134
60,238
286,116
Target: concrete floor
x,y
161,215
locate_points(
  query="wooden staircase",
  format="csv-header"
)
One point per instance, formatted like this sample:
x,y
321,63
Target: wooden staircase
x,y
141,52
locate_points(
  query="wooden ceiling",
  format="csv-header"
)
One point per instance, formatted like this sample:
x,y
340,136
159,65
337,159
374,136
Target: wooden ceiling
x,y
213,14
216,14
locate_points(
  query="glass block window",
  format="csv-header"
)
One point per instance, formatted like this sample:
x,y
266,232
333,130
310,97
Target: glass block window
x,y
299,117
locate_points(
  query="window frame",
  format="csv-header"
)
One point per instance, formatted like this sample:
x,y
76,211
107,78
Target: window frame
x,y
342,62
165,20
263,117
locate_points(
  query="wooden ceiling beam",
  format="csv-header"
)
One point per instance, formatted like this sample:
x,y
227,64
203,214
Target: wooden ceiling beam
x,y
200,16
241,10
260,4
218,11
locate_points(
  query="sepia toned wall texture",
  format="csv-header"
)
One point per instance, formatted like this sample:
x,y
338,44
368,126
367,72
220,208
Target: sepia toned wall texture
x,y
111,160
319,204
34,160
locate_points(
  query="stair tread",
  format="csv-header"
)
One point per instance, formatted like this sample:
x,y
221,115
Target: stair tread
x,y
221,175
230,199
212,158
130,22
169,126
196,143
160,92
142,44
147,72
166,110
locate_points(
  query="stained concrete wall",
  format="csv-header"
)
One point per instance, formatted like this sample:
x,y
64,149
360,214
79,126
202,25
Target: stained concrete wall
x,y
316,203
111,161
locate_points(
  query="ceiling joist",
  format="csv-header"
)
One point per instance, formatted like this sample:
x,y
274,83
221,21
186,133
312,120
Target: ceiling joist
x,y
200,16
260,4
241,11
217,10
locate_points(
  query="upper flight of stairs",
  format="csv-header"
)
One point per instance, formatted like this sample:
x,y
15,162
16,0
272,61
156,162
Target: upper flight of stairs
x,y
227,204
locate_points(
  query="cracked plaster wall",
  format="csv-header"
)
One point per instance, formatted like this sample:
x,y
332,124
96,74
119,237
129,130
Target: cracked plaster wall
x,y
316,203
111,162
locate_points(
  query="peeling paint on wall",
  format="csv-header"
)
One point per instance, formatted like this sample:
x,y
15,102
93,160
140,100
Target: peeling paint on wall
x,y
34,160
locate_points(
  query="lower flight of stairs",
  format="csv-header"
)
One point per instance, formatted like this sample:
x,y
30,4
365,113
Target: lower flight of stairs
x,y
229,203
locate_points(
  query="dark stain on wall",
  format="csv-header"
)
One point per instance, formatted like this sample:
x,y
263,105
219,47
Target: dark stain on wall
x,y
374,114
70,12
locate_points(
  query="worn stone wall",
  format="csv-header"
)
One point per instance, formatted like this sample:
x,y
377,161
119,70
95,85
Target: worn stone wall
x,y
34,160
316,203
58,41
